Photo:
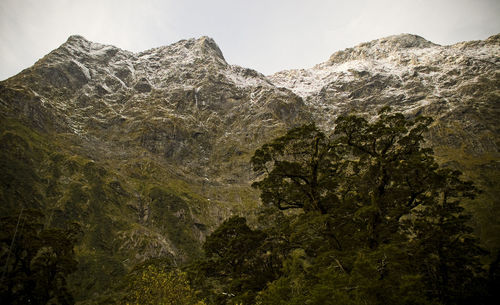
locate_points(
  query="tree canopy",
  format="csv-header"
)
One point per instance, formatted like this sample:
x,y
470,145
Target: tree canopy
x,y
377,221
157,286
36,259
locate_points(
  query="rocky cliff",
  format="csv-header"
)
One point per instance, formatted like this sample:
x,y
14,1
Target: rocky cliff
x,y
457,85
150,151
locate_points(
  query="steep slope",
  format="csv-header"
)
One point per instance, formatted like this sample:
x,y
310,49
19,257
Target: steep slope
x,y
163,97
457,85
150,151
405,71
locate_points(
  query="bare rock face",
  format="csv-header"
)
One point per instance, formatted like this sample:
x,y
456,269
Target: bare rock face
x,y
456,84
150,151
178,101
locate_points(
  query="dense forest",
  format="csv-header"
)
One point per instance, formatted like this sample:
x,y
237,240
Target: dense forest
x,y
361,214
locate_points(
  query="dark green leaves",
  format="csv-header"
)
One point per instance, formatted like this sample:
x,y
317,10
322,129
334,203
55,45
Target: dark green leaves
x,y
378,214
36,260
299,170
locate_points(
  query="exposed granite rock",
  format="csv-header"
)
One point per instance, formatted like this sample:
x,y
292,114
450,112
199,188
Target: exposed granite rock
x,y
150,150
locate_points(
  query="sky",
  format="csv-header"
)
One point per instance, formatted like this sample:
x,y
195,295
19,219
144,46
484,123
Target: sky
x,y
265,35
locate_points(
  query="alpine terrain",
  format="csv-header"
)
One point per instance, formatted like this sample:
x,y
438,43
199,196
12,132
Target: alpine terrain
x,y
130,158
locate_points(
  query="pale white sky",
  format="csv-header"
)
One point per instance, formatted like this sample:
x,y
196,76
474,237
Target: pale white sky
x,y
265,35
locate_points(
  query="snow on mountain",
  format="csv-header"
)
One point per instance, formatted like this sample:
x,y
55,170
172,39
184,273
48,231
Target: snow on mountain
x,y
406,71
171,130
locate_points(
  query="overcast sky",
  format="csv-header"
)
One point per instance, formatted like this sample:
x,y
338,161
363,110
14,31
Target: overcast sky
x,y
266,35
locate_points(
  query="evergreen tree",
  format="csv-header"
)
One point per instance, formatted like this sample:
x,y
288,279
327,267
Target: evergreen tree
x,y
444,249
35,260
379,214
157,286
363,215
389,171
239,259
300,170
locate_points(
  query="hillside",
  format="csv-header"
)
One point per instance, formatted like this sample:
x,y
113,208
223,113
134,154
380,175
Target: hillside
x,y
150,151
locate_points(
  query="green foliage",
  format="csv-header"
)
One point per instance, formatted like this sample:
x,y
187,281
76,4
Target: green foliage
x,y
172,214
373,277
300,170
155,286
389,171
36,260
239,262
231,242
444,249
363,215
380,222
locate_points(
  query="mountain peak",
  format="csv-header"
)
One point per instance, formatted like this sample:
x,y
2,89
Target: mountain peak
x,y
77,37
381,48
192,48
208,45
403,41
77,40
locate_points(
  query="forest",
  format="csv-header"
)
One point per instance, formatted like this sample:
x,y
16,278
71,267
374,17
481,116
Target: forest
x,y
361,214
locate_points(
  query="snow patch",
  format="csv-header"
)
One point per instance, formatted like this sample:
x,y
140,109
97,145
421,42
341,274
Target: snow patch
x,y
83,68
237,76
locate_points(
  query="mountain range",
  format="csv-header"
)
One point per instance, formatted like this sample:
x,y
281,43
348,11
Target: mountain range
x,y
150,151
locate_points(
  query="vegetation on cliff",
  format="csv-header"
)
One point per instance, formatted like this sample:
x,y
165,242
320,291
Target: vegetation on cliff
x,y
362,215
375,221
149,156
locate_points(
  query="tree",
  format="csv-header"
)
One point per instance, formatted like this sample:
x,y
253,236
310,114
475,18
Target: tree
x,y
378,170
36,260
231,243
390,172
156,286
377,211
240,259
374,277
300,169
444,249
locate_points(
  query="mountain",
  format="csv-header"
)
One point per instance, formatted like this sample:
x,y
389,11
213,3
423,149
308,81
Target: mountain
x,y
458,86
150,151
